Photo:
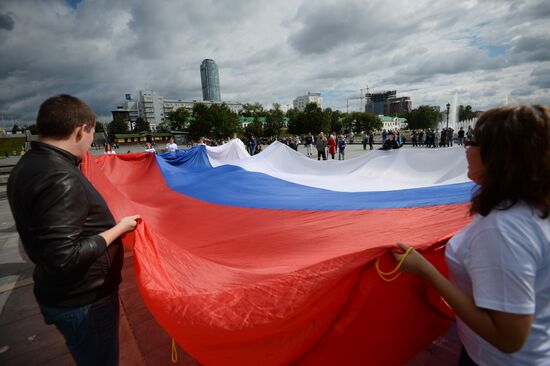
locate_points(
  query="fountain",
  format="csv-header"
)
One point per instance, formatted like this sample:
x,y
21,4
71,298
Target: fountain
x,y
453,115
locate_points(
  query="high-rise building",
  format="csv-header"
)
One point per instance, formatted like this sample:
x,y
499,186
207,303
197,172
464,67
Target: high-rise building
x,y
387,103
398,105
127,111
300,102
151,107
210,81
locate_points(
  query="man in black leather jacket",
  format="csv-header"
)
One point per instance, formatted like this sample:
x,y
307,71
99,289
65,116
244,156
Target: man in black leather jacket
x,y
69,233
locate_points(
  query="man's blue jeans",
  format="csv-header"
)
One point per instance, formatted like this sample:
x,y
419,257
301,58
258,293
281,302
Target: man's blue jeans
x,y
90,331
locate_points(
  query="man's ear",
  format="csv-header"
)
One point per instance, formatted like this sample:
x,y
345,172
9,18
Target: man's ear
x,y
78,133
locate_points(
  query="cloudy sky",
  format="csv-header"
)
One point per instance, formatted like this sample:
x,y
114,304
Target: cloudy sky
x,y
488,52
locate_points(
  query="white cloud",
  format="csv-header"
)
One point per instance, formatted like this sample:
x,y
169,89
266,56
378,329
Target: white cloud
x,y
273,51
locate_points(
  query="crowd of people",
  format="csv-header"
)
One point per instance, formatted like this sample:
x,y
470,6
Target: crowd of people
x,y
499,265
331,145
440,138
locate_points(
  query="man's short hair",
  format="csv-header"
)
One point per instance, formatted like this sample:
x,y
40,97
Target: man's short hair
x,y
58,116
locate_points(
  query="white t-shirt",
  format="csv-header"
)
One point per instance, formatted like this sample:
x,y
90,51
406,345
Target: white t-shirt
x,y
151,150
503,261
171,147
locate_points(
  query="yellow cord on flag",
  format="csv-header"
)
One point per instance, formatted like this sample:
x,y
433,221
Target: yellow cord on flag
x,y
386,275
174,352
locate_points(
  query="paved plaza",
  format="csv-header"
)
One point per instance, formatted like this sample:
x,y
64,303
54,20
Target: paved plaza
x,y
26,340
352,150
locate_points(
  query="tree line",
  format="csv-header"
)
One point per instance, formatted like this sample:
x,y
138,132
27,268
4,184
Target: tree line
x,y
217,121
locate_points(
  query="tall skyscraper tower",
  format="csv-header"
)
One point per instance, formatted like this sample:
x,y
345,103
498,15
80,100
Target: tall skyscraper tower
x,y
210,81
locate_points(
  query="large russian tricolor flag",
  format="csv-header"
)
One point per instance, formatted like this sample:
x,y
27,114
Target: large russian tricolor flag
x,y
269,259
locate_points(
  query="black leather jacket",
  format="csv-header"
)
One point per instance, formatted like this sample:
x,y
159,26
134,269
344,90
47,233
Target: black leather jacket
x,y
59,215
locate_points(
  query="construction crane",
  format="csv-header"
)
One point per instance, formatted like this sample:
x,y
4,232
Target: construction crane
x,y
361,96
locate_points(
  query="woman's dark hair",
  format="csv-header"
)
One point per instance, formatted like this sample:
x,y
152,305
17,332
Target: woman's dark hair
x,y
58,116
515,150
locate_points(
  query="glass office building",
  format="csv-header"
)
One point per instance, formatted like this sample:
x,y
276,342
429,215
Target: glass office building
x,y
210,81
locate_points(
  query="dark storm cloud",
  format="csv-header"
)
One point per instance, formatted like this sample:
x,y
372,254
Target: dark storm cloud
x,y
540,77
534,10
451,63
267,51
6,22
531,48
374,26
327,27
159,29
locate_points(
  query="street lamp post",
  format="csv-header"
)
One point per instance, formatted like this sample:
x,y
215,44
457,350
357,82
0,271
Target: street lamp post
x,y
448,108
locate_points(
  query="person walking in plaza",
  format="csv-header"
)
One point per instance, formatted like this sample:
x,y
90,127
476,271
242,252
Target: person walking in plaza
x,y
371,141
332,145
171,145
450,137
443,138
341,148
365,140
309,143
460,136
69,233
251,145
384,135
469,133
321,145
499,265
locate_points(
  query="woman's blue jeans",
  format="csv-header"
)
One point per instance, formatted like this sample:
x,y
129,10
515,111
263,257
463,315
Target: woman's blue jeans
x,y
90,331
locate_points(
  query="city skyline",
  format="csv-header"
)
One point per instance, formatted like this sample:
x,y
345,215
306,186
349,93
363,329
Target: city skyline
x,y
487,52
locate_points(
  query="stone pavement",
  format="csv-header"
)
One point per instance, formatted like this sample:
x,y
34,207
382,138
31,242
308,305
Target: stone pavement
x,y
26,339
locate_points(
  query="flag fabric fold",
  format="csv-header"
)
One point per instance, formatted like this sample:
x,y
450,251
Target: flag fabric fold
x,y
269,259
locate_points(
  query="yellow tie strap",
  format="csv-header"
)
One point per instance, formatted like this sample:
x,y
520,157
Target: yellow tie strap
x,y
386,275
174,352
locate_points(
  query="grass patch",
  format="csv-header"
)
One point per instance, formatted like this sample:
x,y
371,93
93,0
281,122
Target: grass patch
x,y
9,145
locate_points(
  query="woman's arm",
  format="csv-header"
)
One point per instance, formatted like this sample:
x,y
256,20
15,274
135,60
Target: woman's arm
x,y
507,332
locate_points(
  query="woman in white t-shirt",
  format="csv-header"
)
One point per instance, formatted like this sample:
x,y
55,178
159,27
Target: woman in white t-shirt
x,y
499,265
109,149
171,145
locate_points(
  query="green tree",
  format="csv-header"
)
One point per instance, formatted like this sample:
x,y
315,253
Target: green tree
x,y
15,129
363,121
164,126
337,122
201,124
253,110
33,129
224,121
141,125
422,117
256,127
179,119
316,120
99,127
466,113
274,121
313,119
117,126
